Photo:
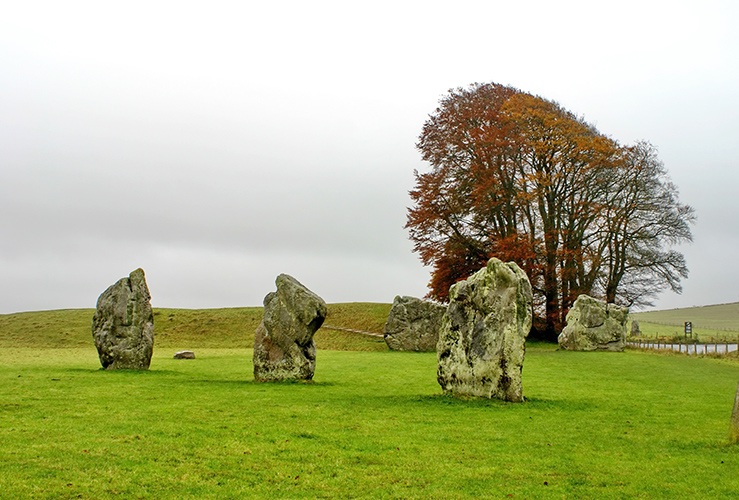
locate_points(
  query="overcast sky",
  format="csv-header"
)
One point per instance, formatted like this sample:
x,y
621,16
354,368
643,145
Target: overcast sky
x,y
218,144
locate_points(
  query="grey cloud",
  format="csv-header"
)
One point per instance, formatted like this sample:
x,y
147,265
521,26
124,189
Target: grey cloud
x,y
234,144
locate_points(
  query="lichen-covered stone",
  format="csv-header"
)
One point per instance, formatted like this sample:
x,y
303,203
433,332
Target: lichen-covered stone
x,y
483,332
123,324
283,343
635,328
593,325
734,432
413,324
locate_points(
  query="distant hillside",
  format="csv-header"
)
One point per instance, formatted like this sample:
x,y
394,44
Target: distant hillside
x,y
192,328
719,321
234,327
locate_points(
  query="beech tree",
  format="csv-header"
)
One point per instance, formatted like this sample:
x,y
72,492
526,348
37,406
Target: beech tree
x,y
643,218
518,177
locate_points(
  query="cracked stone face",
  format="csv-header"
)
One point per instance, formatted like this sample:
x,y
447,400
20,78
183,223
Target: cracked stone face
x,y
735,418
483,332
123,324
413,324
283,343
593,325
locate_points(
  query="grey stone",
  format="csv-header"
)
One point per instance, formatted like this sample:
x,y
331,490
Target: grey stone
x,y
123,324
483,332
593,325
184,355
635,329
734,432
283,343
413,324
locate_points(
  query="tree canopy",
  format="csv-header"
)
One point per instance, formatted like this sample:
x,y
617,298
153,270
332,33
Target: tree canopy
x,y
518,177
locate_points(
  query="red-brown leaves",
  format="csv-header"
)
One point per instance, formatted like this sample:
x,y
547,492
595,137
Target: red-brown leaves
x,y
520,178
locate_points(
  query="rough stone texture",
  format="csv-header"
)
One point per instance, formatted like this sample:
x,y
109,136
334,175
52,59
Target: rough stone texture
x,y
123,324
593,325
735,419
635,329
413,324
283,343
482,337
184,355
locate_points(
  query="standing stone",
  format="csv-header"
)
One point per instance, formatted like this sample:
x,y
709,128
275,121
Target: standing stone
x,y
483,332
593,325
413,324
734,435
283,343
635,329
123,324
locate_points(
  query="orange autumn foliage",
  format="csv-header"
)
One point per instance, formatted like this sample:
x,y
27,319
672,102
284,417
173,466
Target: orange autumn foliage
x,y
518,177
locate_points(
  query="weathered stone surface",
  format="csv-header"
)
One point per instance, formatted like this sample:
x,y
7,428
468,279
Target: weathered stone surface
x,y
283,343
184,355
635,329
734,433
593,325
482,337
123,324
413,324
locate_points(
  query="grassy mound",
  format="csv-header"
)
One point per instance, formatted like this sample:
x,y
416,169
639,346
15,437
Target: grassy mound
x,y
193,328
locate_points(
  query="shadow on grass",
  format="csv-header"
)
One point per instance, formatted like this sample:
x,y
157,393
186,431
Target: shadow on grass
x,y
536,403
130,372
254,383
187,378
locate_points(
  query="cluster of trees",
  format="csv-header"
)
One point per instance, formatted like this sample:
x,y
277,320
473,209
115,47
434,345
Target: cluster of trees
x,y
518,177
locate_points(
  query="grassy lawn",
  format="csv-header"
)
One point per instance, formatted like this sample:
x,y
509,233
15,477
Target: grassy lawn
x,y
372,425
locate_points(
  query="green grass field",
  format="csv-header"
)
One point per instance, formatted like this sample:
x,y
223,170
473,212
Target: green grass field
x,y
373,424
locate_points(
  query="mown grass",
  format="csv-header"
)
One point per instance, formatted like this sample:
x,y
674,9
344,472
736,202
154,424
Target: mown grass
x,y
714,322
373,424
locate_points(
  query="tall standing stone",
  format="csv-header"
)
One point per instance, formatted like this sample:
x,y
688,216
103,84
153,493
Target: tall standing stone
x,y
483,332
283,343
413,324
593,325
734,433
123,324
